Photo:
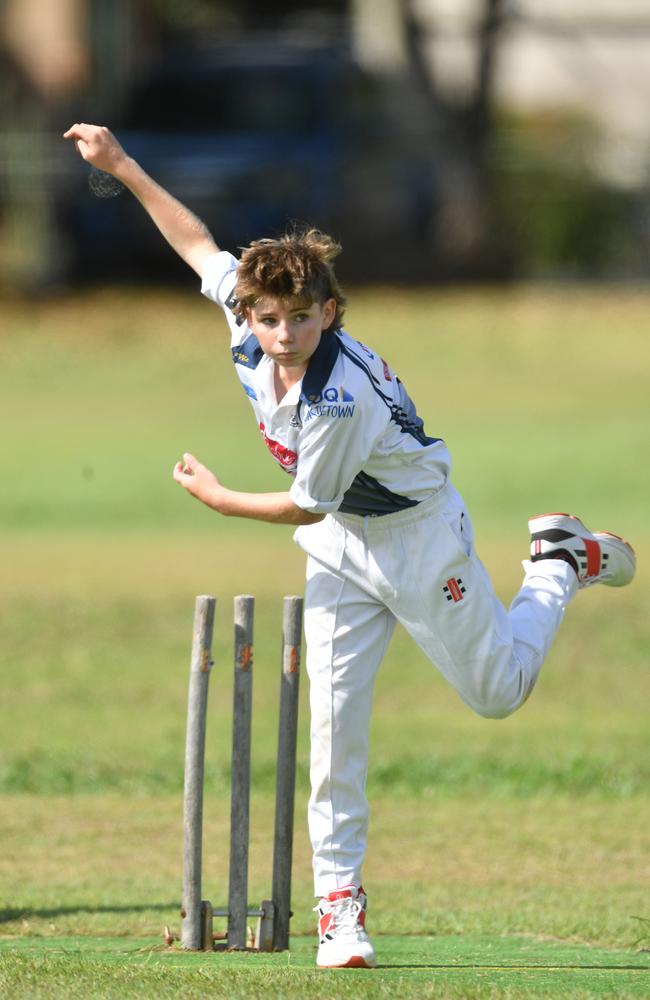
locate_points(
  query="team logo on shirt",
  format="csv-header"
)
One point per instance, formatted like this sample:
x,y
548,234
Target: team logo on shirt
x,y
332,402
454,589
232,303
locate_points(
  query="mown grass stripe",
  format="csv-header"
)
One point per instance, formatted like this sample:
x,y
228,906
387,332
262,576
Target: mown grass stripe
x,y
41,773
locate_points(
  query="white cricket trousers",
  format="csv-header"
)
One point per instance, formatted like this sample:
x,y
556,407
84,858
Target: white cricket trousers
x,y
418,567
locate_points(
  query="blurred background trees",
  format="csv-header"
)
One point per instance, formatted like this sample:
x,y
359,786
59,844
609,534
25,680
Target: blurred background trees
x,y
439,139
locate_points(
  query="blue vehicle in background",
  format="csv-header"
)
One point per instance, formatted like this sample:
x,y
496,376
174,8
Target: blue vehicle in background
x,y
250,139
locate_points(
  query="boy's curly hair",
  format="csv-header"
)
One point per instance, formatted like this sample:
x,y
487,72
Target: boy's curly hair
x,y
296,266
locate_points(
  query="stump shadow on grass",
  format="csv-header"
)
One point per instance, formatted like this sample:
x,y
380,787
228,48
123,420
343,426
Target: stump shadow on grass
x,y
7,913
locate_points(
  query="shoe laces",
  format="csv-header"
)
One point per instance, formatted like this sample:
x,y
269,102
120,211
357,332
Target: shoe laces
x,y
345,914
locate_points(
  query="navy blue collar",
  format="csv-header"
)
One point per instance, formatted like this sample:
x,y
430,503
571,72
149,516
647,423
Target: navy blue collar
x,y
321,365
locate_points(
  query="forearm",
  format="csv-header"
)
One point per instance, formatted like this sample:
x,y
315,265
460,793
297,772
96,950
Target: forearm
x,y
275,508
183,231
188,236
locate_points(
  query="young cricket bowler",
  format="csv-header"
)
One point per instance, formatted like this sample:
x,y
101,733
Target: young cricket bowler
x,y
387,536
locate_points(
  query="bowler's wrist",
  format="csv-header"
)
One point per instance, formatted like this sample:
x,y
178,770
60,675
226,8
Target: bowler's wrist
x,y
127,170
220,499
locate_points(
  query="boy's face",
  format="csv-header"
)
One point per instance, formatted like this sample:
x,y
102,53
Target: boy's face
x,y
290,332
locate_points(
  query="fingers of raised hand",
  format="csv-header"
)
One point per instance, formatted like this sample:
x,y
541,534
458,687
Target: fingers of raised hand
x,y
92,141
81,130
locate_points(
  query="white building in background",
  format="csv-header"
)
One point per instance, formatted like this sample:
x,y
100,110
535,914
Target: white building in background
x,y
589,55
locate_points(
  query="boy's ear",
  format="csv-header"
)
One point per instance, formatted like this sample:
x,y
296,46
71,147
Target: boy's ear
x,y
329,312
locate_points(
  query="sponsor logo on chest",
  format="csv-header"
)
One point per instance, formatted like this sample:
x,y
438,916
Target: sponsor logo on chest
x,y
332,402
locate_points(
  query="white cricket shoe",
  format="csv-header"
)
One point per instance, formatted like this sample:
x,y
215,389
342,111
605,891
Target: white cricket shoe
x,y
344,942
597,557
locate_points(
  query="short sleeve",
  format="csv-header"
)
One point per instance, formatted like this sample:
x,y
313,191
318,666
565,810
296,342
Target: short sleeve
x,y
218,284
219,277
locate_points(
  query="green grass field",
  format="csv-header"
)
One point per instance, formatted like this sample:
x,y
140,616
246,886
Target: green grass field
x,y
507,859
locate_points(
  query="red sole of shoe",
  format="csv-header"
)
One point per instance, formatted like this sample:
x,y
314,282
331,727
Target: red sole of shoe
x,y
356,962
558,513
555,513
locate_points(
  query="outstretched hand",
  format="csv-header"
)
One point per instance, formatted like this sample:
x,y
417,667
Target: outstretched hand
x,y
97,145
197,480
276,508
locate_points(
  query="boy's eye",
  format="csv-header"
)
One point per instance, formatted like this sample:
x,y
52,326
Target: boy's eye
x,y
301,317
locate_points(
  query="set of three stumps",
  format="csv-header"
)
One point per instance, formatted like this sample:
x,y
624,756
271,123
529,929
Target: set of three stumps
x,y
272,915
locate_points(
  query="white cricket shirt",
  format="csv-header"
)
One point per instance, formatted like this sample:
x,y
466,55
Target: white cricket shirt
x,y
348,433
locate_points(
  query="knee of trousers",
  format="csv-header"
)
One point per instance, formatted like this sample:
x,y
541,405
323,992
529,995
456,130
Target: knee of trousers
x,y
495,709
500,693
